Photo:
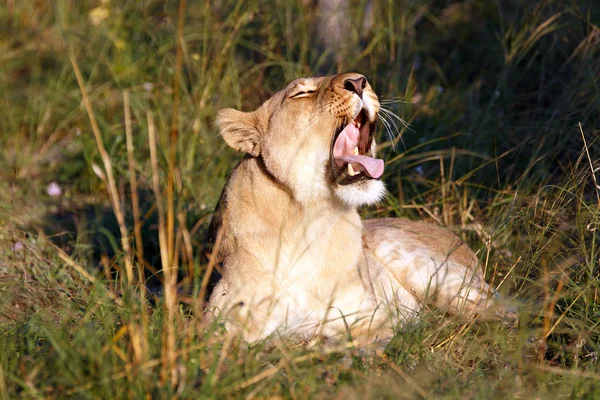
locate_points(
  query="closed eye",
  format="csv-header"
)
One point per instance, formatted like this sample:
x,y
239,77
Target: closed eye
x,y
302,93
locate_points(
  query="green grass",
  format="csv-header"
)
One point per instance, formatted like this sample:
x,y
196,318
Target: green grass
x,y
494,93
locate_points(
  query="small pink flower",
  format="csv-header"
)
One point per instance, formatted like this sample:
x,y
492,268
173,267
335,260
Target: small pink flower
x,y
18,246
53,189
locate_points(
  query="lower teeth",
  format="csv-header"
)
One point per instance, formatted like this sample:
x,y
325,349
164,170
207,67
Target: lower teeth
x,y
351,170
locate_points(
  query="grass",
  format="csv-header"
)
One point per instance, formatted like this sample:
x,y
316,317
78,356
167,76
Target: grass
x,y
502,100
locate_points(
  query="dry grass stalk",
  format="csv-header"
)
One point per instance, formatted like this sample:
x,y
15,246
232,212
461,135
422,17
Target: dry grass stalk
x,y
107,273
565,268
3,391
162,236
139,332
594,170
404,375
211,265
137,226
169,370
187,243
112,186
220,60
82,271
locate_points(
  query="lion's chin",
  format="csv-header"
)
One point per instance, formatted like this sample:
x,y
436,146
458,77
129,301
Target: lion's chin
x,y
364,192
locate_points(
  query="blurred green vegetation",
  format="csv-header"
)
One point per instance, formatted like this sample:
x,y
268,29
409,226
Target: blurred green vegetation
x,y
499,96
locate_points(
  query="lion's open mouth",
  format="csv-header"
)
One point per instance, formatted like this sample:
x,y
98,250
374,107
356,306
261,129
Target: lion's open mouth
x,y
351,154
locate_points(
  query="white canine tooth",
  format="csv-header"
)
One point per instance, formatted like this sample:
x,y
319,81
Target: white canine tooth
x,y
355,151
351,170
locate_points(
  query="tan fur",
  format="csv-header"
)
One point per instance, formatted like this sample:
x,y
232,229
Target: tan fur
x,y
298,260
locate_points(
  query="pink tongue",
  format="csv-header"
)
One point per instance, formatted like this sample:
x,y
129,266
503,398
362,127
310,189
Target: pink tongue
x,y
373,166
344,146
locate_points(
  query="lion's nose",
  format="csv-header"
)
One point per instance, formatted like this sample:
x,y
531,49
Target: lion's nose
x,y
356,85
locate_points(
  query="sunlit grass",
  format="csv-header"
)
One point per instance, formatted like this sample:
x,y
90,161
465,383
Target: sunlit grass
x,y
494,93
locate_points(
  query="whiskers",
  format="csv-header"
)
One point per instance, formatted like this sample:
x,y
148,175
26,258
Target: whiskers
x,y
393,125
391,121
395,100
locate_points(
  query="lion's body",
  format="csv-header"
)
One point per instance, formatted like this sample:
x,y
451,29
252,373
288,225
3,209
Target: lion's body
x,y
272,245
298,260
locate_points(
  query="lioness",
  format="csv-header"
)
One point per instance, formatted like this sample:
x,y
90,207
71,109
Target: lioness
x,y
298,260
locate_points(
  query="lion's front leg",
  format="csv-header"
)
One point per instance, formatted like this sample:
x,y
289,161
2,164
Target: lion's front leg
x,y
261,309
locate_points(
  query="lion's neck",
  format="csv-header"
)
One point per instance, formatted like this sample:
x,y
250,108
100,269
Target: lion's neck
x,y
277,233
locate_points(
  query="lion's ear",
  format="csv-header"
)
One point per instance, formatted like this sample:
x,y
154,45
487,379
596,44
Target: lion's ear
x,y
240,130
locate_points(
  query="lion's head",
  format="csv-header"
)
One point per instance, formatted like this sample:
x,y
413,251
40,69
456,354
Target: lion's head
x,y
316,137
